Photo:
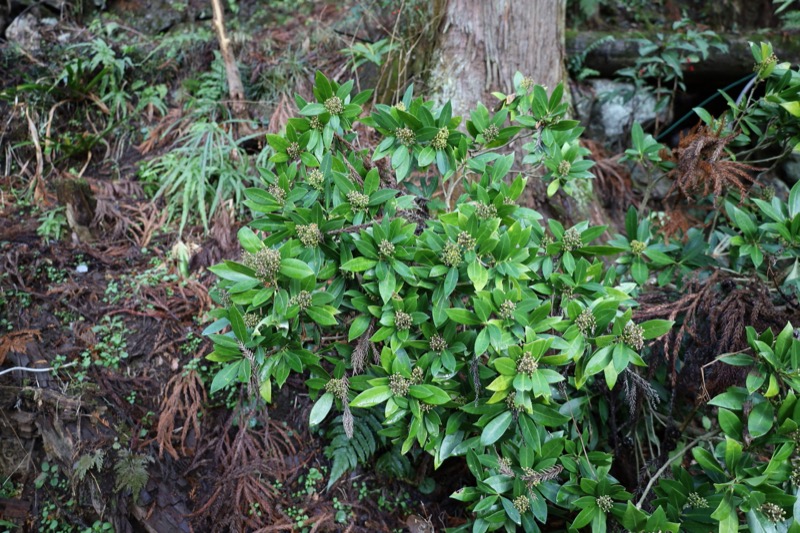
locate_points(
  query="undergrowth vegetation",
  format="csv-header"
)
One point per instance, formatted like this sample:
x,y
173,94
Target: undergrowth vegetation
x,y
646,382
643,377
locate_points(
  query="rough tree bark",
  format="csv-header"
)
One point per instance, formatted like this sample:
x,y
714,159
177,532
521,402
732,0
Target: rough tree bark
x,y
481,45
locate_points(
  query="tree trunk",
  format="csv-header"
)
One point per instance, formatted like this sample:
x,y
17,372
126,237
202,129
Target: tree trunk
x,y
483,43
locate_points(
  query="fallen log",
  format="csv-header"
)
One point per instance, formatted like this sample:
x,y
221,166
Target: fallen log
x,y
623,50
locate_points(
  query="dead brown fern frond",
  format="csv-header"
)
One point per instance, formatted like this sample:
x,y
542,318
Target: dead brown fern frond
x,y
702,166
676,222
183,404
16,341
613,179
659,305
250,463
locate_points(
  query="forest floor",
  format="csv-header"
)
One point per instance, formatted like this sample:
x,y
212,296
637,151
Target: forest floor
x,y
109,424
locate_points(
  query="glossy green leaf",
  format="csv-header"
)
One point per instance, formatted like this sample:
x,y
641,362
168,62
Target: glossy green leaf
x,y
295,269
321,409
372,397
495,429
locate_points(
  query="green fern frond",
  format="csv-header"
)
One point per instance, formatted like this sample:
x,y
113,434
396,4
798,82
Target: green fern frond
x,y
131,472
88,461
393,464
347,453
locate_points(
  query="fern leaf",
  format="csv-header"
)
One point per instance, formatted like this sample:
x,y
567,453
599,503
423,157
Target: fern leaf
x,y
346,453
131,472
88,461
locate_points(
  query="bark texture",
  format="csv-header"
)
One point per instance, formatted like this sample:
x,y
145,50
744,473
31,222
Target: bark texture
x,y
483,43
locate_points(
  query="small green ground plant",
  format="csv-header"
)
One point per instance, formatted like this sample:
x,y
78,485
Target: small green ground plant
x,y
478,331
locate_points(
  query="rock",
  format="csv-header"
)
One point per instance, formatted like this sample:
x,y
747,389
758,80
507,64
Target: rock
x,y
24,31
616,107
151,17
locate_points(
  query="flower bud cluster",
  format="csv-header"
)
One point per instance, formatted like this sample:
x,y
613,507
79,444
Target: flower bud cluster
x,y
386,248
403,321
251,320
571,240
399,385
466,241
564,168
451,255
338,387
334,105
358,200
278,193
440,141
522,504
490,133
485,211
633,335
695,501
315,178
406,136
302,300
294,151
266,263
774,512
309,234
527,364
605,503
437,343
637,247
507,309
586,322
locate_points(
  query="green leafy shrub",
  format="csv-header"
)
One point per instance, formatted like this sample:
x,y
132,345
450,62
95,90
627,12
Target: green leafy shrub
x,y
480,332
